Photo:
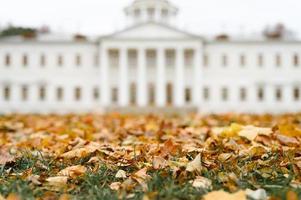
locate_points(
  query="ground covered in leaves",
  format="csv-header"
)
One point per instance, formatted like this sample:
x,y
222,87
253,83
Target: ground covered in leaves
x,y
150,157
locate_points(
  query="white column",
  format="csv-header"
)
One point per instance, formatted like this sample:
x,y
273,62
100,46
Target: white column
x,y
123,77
179,78
197,77
161,80
104,86
142,89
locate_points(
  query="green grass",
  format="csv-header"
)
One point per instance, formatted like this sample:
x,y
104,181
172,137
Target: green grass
x,y
95,185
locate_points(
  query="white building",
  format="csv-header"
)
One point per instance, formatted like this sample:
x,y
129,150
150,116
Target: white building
x,y
151,65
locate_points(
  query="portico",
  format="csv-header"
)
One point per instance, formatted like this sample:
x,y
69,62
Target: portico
x,y
142,74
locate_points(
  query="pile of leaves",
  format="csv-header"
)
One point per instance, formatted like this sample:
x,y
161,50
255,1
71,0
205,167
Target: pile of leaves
x,y
150,157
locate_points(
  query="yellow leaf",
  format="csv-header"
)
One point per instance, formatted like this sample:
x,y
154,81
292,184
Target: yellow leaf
x,y
13,196
231,131
195,165
251,132
73,171
222,195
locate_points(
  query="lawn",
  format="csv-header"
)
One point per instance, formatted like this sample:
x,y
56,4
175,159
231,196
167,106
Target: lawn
x,y
150,157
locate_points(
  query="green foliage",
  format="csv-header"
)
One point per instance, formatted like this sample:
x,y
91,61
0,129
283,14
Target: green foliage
x,y
14,31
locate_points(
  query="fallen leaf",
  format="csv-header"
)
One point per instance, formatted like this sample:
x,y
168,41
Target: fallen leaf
x,y
115,186
251,132
73,171
120,174
81,152
222,195
159,162
195,165
64,197
288,141
202,182
5,156
13,196
57,180
34,179
141,177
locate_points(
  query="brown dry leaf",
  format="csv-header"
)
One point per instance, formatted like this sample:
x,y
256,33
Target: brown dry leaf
x,y
202,182
141,177
169,148
13,196
223,157
287,141
57,180
159,162
195,165
5,156
120,174
251,132
64,197
115,186
34,179
81,152
291,195
73,171
222,195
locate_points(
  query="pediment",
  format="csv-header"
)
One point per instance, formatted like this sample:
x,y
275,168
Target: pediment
x,y
152,31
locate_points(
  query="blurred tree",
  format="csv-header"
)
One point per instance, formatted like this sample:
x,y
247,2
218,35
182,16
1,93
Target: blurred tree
x,y
13,31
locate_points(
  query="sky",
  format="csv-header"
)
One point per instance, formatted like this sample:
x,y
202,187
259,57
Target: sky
x,y
97,17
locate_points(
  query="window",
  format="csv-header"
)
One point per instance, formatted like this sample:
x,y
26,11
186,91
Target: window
x,y
242,60
296,94
78,60
96,93
133,90
151,13
137,13
189,54
169,92
59,94
113,58
132,61
278,60
260,94
77,94
224,60
206,94
7,60
260,60
42,93
151,58
278,94
60,61
42,60
24,93
224,94
151,94
115,95
6,93
188,95
296,60
206,60
25,60
170,58
243,94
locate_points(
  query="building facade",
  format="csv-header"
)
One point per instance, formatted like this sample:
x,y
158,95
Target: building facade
x,y
150,65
